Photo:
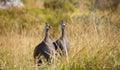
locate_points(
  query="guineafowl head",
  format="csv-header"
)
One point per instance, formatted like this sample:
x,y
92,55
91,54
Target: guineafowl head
x,y
47,27
63,24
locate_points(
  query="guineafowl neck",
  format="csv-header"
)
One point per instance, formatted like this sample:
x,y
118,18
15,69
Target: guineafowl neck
x,y
46,36
63,33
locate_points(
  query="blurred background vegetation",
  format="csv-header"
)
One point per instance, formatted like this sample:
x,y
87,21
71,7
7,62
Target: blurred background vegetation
x,y
52,11
93,29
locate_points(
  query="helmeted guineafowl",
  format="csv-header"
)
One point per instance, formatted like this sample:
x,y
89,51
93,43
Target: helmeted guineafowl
x,y
45,48
62,43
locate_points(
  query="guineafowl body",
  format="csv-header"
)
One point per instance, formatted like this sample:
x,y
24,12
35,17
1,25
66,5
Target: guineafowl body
x,y
45,48
62,43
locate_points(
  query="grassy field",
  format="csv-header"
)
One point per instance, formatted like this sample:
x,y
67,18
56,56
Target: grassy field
x,y
94,38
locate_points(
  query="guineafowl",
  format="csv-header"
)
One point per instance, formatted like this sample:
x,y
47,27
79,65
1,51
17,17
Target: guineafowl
x,y
62,43
45,48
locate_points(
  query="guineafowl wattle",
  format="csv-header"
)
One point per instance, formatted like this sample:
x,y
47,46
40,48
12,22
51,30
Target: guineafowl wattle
x,y
45,48
62,43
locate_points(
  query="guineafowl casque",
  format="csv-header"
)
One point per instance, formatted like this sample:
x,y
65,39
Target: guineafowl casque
x,y
45,48
62,43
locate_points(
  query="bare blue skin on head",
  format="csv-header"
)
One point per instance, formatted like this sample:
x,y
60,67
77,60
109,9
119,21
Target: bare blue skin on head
x,y
47,28
63,25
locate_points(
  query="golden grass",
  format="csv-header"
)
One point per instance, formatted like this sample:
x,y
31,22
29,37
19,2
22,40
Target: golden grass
x,y
89,49
94,38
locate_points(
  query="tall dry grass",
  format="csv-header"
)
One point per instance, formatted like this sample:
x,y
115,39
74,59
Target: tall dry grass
x,y
94,38
92,47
